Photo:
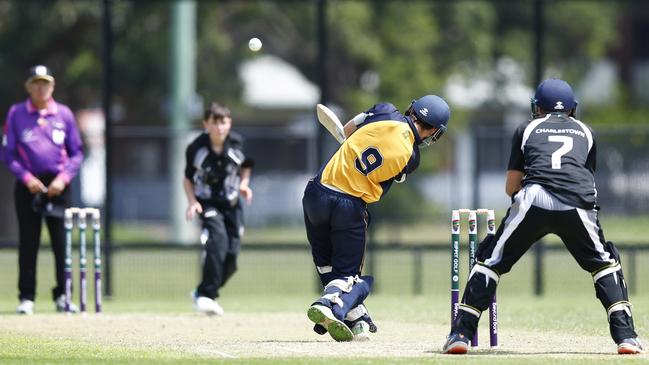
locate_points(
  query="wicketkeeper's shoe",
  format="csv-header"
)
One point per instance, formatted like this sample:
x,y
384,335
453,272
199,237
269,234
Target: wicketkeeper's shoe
x,y
629,346
25,307
208,306
338,330
361,331
59,304
457,344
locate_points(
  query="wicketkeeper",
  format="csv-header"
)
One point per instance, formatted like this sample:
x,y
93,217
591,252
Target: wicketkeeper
x,y
551,181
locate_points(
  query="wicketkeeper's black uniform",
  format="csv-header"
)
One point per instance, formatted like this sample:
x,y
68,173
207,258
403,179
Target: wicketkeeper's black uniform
x,y
557,154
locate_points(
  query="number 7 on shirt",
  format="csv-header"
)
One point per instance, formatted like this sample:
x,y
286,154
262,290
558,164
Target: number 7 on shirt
x,y
330,121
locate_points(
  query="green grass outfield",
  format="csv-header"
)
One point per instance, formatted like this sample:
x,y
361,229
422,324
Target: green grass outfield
x,y
150,320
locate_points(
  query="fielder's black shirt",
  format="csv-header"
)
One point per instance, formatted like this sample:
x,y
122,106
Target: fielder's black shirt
x,y
216,177
557,152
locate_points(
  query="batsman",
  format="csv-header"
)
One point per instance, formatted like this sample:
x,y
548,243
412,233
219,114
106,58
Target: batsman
x,y
381,146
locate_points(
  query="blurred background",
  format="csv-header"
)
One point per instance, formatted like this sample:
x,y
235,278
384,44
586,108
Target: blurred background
x,y
138,75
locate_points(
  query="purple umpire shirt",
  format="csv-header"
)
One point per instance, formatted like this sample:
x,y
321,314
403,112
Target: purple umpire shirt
x,y
42,142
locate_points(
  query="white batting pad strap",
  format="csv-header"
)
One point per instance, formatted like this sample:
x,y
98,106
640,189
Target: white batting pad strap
x,y
600,274
334,298
619,306
470,310
356,313
487,272
324,269
344,285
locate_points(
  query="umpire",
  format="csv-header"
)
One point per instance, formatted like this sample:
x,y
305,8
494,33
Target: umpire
x,y
217,176
43,151
551,181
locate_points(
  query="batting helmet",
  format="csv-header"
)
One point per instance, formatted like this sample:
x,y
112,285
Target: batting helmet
x,y
554,95
432,111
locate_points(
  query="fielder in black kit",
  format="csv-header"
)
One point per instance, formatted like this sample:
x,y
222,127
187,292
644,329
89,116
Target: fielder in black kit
x,y
550,179
217,177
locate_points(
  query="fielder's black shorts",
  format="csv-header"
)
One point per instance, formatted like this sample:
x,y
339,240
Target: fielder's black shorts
x,y
529,219
336,227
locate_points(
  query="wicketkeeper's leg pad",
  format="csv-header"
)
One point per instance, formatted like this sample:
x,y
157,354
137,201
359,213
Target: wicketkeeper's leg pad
x,y
479,292
611,290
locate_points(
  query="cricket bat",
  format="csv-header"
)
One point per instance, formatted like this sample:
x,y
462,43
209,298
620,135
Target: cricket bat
x,y
330,121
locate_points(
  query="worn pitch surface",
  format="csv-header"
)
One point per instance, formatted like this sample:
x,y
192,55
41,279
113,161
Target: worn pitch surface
x,y
268,335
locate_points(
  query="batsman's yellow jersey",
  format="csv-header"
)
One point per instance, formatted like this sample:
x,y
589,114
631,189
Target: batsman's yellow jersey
x,y
368,161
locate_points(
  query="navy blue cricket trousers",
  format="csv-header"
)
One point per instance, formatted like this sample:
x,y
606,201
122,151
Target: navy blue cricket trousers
x,y
336,227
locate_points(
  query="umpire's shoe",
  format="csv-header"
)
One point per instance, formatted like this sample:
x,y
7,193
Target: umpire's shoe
x,y
323,316
629,346
456,344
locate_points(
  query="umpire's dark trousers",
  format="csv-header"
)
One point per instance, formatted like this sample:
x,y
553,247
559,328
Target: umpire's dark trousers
x,y
221,237
29,240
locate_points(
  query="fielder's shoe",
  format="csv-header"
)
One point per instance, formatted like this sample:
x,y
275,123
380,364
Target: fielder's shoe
x,y
361,331
208,306
338,330
25,307
456,343
59,304
629,346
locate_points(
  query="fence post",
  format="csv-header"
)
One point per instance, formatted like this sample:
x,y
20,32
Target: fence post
x,y
417,252
632,269
539,251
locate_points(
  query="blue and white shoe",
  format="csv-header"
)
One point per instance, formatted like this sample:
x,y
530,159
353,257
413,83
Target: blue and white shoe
x,y
361,331
456,344
629,346
323,316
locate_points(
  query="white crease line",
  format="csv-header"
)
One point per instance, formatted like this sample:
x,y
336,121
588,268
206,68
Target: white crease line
x,y
291,350
225,355
222,354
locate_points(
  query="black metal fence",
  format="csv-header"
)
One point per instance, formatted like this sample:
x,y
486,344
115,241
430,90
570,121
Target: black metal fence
x,y
413,273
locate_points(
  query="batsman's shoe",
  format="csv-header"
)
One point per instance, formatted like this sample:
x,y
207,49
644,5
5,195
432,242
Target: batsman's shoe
x,y
59,304
361,331
338,330
25,307
629,346
319,329
208,306
456,343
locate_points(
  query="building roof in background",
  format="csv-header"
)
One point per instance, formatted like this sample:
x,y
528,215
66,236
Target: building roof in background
x,y
271,83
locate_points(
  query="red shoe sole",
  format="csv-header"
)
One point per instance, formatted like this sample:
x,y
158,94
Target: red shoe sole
x,y
628,351
458,350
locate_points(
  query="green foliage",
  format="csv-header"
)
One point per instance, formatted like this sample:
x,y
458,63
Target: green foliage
x,y
406,48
